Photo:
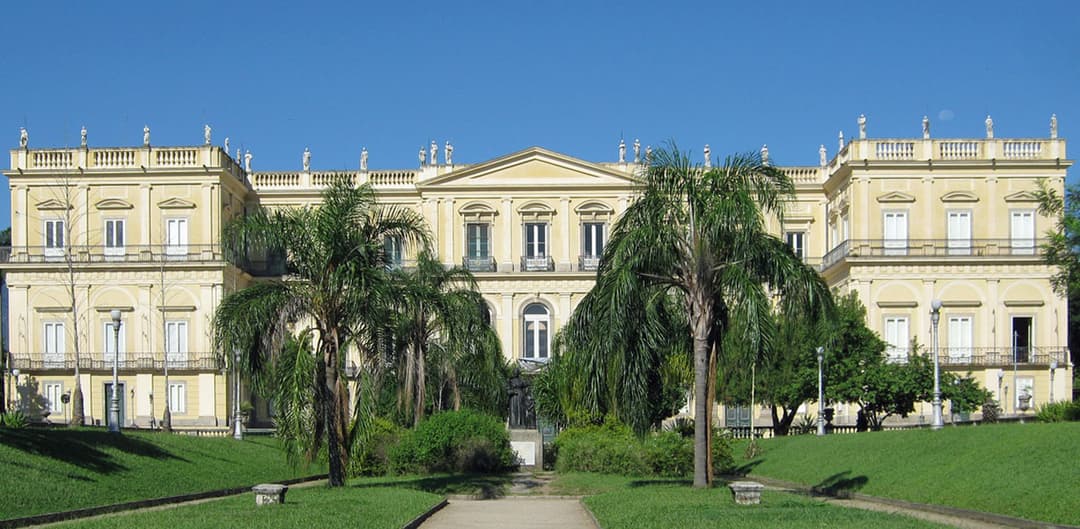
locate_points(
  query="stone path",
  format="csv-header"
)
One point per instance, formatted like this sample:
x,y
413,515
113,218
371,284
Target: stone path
x,y
512,512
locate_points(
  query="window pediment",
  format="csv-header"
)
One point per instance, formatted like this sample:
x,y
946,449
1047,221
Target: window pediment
x,y
960,196
594,211
114,203
536,211
176,203
1022,196
52,204
477,212
895,197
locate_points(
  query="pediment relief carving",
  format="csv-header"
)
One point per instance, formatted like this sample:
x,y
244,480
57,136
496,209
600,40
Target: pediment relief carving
x,y
960,196
176,203
896,196
536,208
114,203
593,207
52,204
1022,196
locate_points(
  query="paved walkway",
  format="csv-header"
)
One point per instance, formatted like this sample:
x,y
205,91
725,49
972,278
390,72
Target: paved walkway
x,y
512,512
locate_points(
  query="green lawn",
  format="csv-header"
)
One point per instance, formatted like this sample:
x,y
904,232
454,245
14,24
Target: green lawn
x,y
316,506
50,470
1025,470
629,503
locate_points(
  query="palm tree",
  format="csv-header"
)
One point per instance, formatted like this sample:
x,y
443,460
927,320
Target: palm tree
x,y
336,288
698,235
440,319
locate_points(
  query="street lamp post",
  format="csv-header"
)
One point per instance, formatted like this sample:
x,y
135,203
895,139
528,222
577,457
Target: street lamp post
x,y
14,387
1053,367
935,316
820,392
238,427
114,405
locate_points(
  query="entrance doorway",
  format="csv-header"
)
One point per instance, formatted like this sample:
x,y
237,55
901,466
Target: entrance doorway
x,y
1021,339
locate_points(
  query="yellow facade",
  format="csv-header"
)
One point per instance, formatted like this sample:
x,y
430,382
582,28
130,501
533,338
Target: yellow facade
x,y
900,221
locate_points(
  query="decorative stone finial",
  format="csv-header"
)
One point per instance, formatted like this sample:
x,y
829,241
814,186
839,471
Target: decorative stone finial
x,y
822,156
708,157
363,159
307,159
206,134
82,136
840,141
422,156
247,160
448,151
764,155
637,151
989,127
434,153
925,128
24,137
862,126
146,135
1053,126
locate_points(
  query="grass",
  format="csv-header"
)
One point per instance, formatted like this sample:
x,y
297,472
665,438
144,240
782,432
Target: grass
x,y
51,470
316,506
1024,470
628,503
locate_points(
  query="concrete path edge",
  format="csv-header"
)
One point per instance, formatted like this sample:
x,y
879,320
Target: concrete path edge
x,y
423,517
63,516
982,516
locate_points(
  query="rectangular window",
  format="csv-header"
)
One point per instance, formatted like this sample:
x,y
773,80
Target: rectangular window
x,y
177,397
536,239
797,241
392,248
110,342
53,237
54,343
592,240
895,233
959,229
960,338
53,391
176,237
478,239
897,337
1023,232
176,342
114,237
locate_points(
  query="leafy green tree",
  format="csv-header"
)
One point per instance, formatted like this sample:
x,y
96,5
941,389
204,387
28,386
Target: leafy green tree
x,y
699,236
787,376
337,289
5,242
963,392
1062,251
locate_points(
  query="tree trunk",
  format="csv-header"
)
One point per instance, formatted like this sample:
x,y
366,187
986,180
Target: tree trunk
x,y
454,390
421,386
335,424
782,421
700,325
711,391
78,418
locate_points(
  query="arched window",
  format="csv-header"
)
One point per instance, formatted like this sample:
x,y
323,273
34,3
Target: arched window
x,y
485,313
537,331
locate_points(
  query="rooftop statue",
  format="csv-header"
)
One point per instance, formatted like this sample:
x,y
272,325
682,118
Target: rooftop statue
x,y
24,138
423,156
206,134
363,159
822,156
840,141
434,153
247,161
862,126
925,128
226,145
637,151
82,136
146,135
449,150
764,155
307,159
989,127
708,157
1053,126
622,151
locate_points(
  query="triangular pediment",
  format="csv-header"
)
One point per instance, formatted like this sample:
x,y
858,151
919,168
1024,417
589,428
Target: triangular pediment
x,y
52,204
960,196
896,196
1022,196
535,167
113,203
176,203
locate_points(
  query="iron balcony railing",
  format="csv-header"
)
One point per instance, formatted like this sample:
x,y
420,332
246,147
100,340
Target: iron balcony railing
x,y
127,362
588,263
936,248
479,264
151,253
990,356
537,264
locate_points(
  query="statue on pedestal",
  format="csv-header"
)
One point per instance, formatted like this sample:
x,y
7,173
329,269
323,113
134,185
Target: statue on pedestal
x,y
206,134
823,159
925,128
840,141
24,137
226,145
648,154
862,126
989,127
247,161
449,153
1053,126
146,135
82,136
434,153
708,157
622,151
307,160
363,159
422,156
637,151
522,412
764,155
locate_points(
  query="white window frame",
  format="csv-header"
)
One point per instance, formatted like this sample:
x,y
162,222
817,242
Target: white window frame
x,y
54,237
176,350
114,248
395,255
800,248
485,229
53,342
958,243
1022,243
541,348
53,391
107,349
897,346
960,337
177,397
541,230
596,228
177,247
894,245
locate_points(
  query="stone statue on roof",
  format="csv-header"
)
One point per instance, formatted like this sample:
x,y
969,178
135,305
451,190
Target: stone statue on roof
x,y
925,128
989,127
24,137
708,157
862,126
82,136
840,141
648,154
363,159
247,161
206,134
307,159
622,151
146,135
637,151
226,145
764,155
423,156
1053,126
823,156
448,151
434,153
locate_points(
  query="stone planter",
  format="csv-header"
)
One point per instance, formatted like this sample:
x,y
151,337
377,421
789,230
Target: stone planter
x,y
746,492
269,493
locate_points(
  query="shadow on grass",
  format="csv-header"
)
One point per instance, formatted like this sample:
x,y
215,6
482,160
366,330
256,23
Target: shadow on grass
x,y
840,484
745,468
82,447
482,486
652,482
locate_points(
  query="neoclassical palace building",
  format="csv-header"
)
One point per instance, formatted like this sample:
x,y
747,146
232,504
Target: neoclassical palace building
x,y
900,221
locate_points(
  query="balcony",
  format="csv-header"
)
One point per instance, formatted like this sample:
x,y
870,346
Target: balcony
x,y
992,356
156,253
537,264
937,249
479,264
588,263
128,362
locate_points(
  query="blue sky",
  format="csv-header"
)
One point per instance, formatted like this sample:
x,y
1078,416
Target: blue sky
x,y
494,77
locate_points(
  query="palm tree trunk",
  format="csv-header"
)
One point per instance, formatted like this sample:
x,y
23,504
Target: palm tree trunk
x,y
421,384
711,393
335,420
701,324
454,390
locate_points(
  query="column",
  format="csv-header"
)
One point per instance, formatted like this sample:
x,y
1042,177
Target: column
x,y
564,221
506,335
207,398
506,230
85,209
147,207
431,214
564,311
446,209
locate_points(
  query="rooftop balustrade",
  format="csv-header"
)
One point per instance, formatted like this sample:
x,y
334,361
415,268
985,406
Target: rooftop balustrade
x,y
124,158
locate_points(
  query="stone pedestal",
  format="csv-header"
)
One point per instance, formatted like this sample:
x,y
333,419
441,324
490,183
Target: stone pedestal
x,y
746,492
529,447
269,493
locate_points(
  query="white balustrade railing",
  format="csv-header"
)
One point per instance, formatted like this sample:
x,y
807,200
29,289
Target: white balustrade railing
x,y
113,158
178,157
52,159
802,175
327,178
1022,149
392,178
958,150
275,179
894,150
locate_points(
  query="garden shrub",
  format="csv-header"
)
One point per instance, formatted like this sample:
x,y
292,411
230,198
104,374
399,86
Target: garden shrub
x,y
990,410
614,449
1058,412
454,441
372,457
14,420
